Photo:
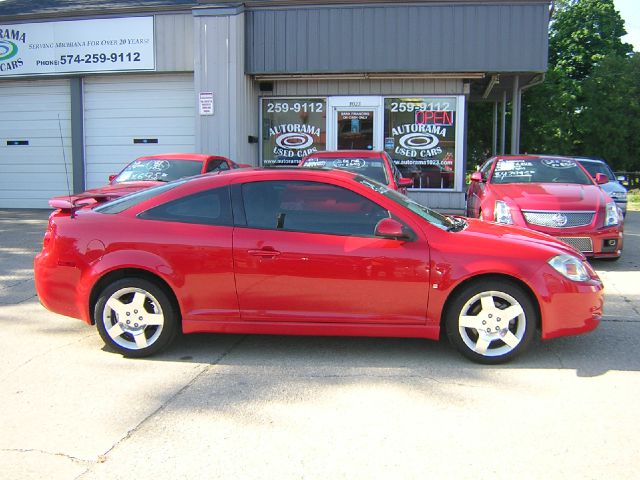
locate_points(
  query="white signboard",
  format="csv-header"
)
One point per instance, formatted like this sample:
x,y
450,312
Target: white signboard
x,y
115,44
206,103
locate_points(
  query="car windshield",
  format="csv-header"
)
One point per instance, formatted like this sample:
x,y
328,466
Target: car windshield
x,y
546,170
369,167
159,170
434,218
597,167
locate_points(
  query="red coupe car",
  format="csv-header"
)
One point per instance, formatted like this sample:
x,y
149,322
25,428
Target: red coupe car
x,y
149,171
553,195
308,252
370,163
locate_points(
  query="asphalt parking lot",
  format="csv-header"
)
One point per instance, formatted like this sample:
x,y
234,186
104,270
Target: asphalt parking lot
x,y
272,407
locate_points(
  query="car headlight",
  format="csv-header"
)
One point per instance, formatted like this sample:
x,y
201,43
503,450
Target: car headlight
x,y
502,213
571,267
611,217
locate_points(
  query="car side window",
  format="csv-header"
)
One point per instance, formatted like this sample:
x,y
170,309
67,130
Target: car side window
x,y
310,207
216,165
486,168
396,173
211,207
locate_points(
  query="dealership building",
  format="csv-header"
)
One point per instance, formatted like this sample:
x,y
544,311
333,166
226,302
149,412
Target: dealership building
x,y
85,90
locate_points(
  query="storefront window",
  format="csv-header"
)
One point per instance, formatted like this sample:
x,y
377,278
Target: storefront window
x,y
420,137
291,129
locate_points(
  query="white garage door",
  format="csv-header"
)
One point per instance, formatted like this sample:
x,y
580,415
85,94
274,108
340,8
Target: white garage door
x,y
130,116
32,168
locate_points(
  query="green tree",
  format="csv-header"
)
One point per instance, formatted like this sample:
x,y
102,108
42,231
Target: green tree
x,y
610,121
582,35
480,135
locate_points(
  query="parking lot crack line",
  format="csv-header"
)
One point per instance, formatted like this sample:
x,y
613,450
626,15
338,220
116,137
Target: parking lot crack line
x,y
559,358
11,285
24,300
44,452
104,457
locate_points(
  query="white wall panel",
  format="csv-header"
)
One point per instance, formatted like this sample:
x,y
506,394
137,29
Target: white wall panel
x,y
31,174
119,109
174,43
219,68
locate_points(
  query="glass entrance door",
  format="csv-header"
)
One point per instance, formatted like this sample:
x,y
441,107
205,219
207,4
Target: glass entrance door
x,y
354,123
355,129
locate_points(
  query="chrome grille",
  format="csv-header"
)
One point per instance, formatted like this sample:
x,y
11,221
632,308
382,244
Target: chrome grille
x,y
558,219
582,244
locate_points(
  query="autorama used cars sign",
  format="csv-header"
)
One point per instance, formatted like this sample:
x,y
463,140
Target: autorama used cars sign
x,y
104,45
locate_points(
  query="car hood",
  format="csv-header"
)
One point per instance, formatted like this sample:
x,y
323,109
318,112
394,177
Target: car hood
x,y
482,236
551,196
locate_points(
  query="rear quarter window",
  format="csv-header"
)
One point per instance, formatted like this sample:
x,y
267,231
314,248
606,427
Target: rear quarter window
x,y
211,207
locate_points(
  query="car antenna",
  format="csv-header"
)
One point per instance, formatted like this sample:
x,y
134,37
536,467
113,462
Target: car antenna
x,y
66,171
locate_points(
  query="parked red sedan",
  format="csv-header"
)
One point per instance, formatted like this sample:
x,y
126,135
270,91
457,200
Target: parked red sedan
x,y
553,195
308,252
149,171
370,163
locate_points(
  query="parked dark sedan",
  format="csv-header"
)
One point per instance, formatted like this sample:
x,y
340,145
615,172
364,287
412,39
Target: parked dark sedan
x,y
613,187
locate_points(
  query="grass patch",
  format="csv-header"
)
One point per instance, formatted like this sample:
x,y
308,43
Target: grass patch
x,y
633,200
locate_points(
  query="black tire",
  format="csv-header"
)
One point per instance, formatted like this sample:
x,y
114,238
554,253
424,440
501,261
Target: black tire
x,y
147,320
477,327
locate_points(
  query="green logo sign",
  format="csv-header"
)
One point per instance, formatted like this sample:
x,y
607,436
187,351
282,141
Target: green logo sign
x,y
8,49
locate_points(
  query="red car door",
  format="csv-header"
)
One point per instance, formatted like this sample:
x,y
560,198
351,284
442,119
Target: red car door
x,y
308,254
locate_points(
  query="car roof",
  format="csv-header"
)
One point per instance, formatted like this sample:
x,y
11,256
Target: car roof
x,y
535,157
590,160
346,153
180,156
274,173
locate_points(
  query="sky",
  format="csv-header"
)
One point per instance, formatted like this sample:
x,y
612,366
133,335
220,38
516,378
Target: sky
x,y
630,13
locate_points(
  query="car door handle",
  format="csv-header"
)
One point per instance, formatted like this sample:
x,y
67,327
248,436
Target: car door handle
x,y
264,252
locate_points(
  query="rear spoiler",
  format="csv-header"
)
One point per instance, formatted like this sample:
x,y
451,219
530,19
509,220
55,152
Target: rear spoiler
x,y
74,203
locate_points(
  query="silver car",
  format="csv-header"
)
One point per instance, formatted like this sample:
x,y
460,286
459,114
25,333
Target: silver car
x,y
613,188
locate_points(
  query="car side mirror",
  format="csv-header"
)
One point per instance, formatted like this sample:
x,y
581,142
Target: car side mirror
x,y
405,182
112,177
476,177
390,228
601,178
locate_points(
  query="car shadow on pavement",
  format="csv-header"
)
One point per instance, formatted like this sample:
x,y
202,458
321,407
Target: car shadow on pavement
x,y
612,347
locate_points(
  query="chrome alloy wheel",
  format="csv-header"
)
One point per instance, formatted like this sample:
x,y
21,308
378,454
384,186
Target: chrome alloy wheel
x,y
133,318
492,323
